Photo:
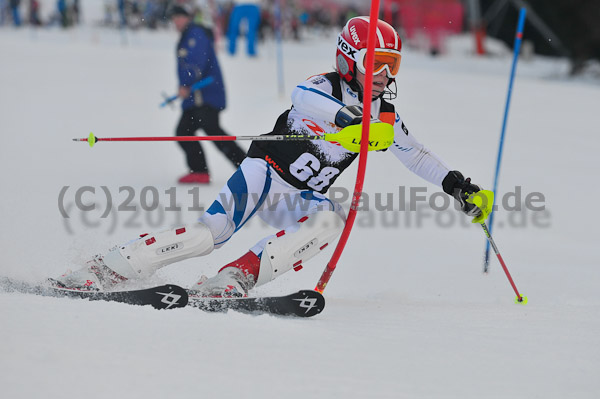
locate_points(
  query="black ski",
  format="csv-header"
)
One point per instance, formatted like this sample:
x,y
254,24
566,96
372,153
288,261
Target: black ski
x,y
305,303
167,296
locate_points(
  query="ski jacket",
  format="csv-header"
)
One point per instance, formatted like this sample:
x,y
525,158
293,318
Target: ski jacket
x,y
196,59
315,165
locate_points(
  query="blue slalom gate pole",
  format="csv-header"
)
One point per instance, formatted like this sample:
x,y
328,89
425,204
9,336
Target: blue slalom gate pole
x,y
517,49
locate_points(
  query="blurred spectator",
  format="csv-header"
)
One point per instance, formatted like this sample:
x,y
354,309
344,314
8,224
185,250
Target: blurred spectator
x,y
266,23
108,13
34,13
75,12
14,8
292,17
249,11
122,13
61,6
3,11
196,62
151,14
252,19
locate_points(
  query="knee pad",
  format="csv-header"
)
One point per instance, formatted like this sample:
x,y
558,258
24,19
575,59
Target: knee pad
x,y
144,256
220,226
288,249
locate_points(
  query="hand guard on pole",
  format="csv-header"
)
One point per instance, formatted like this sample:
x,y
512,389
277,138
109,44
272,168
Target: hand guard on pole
x,y
462,189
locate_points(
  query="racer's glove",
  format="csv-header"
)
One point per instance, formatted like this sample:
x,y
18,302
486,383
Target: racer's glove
x,y
349,115
461,189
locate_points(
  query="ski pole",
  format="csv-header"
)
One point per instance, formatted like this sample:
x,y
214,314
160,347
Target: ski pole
x,y
349,137
196,86
518,39
484,200
520,299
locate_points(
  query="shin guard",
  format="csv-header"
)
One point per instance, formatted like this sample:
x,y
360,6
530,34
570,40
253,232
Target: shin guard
x,y
288,249
144,256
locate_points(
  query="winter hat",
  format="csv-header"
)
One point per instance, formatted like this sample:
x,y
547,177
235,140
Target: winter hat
x,y
179,10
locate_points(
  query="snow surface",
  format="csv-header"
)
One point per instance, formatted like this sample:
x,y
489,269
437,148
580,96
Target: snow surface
x,y
409,313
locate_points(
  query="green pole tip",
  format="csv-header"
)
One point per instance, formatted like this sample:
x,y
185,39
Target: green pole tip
x,y
91,140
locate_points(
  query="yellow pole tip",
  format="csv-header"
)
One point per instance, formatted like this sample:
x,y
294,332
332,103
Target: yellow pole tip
x,y
521,301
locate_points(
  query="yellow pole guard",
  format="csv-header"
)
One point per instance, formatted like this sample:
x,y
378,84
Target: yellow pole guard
x,y
381,136
484,200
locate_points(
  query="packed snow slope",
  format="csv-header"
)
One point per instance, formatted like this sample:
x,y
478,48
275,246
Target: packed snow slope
x,y
409,313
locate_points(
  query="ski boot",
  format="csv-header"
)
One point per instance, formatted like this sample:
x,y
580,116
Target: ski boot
x,y
95,276
234,280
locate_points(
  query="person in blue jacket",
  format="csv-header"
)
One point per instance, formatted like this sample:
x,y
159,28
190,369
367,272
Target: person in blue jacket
x,y
197,61
250,11
16,15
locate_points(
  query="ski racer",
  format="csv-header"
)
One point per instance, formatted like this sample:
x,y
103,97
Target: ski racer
x,y
277,174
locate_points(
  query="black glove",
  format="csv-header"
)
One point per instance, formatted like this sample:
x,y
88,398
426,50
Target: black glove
x,y
460,188
349,115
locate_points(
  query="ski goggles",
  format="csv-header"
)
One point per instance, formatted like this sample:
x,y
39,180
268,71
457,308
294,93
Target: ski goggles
x,y
385,59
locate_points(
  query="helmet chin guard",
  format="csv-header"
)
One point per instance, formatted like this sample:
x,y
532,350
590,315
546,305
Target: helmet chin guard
x,y
391,91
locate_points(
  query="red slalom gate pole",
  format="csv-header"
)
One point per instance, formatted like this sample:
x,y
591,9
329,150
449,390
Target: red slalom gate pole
x,y
362,158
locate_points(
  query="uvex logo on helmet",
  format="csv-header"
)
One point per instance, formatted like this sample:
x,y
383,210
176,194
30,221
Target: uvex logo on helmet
x,y
346,48
354,35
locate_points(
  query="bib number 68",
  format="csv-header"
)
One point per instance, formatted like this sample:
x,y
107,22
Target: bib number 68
x,y
308,167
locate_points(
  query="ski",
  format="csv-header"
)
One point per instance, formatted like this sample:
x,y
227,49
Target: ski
x,y
168,296
305,303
